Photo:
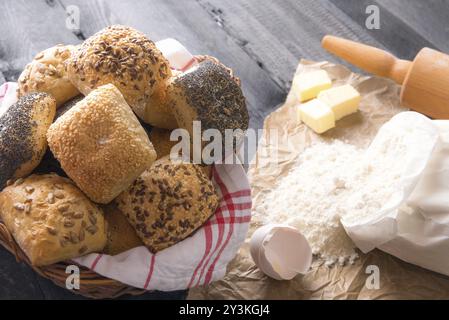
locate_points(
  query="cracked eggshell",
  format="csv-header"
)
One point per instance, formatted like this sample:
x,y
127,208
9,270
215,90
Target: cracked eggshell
x,y
280,251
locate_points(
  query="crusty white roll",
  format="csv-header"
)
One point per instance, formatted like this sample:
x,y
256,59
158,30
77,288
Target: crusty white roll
x,y
22,135
51,219
101,145
124,57
47,73
207,93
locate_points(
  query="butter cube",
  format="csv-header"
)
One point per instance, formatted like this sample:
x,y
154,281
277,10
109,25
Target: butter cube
x,y
342,100
307,85
317,116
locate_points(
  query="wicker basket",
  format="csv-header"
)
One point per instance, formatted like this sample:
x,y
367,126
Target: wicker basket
x,y
92,285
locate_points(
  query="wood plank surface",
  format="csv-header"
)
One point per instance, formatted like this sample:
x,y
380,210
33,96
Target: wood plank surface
x,y
193,27
279,33
401,38
28,27
261,40
430,18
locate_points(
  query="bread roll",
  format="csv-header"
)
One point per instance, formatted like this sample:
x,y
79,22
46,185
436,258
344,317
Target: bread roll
x,y
22,135
168,202
51,219
124,57
101,145
47,73
207,171
160,138
207,93
121,235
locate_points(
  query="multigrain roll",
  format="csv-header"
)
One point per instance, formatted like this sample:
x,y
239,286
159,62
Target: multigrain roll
x,y
168,202
207,93
101,145
22,135
47,73
51,219
124,57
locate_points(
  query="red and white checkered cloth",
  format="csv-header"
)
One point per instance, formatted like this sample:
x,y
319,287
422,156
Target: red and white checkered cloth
x,y
199,259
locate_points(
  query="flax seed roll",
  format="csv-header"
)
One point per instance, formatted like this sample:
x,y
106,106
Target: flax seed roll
x,y
124,57
168,202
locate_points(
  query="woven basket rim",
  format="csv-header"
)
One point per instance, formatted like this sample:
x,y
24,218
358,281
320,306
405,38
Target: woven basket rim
x,y
92,284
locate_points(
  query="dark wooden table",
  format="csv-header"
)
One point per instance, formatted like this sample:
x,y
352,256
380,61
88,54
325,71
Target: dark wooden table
x,y
262,40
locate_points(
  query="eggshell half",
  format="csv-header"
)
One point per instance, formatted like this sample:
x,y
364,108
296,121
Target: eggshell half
x,y
280,251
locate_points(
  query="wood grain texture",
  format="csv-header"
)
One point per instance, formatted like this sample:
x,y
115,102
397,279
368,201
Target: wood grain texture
x,y
395,34
430,18
279,33
28,27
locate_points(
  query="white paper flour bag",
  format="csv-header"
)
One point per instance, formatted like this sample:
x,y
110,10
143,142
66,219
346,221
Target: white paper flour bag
x,y
413,224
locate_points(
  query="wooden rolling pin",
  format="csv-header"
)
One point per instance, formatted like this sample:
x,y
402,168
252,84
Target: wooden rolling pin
x,y
425,81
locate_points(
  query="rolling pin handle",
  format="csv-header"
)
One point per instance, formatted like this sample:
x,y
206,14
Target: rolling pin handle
x,y
400,70
370,59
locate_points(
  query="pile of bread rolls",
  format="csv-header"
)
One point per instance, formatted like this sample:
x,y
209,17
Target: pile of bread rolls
x,y
104,108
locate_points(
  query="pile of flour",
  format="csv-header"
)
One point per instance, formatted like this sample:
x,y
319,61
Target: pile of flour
x,y
331,181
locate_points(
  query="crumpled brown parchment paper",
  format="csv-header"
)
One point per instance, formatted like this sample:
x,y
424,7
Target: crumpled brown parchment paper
x,y
398,280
